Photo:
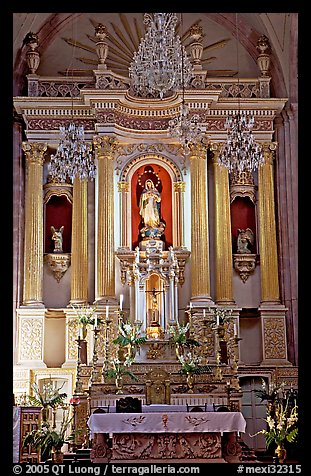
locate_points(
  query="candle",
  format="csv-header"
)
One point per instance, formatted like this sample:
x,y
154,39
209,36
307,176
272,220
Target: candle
x,y
235,329
80,333
121,301
107,312
203,312
191,305
217,320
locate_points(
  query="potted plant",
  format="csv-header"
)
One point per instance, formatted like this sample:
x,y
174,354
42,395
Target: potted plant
x,y
50,440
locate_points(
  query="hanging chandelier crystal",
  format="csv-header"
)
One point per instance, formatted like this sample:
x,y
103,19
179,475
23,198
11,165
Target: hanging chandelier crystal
x,y
73,157
186,128
240,152
161,61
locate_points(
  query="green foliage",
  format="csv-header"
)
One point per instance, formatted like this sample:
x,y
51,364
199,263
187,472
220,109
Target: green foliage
x,y
46,438
199,369
129,334
119,369
47,397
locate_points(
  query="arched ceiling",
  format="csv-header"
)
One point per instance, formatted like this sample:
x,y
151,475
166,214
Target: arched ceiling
x,y
67,41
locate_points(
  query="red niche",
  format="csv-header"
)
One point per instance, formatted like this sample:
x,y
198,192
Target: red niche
x,y
243,216
163,183
58,212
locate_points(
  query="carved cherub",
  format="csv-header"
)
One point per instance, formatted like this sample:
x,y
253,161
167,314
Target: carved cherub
x,y
245,239
57,237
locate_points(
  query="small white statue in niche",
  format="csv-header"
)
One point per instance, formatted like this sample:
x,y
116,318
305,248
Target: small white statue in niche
x,y
245,239
57,237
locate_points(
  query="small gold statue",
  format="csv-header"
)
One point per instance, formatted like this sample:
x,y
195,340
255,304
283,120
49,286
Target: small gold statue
x,y
57,237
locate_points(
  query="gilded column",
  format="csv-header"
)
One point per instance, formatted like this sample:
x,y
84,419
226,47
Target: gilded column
x,y
178,230
79,252
223,238
123,188
267,229
105,260
33,256
200,280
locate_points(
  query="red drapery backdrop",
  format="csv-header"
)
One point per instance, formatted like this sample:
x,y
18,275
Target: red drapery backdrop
x,y
242,216
58,212
163,183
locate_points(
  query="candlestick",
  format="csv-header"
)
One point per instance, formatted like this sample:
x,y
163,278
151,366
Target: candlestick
x,y
121,301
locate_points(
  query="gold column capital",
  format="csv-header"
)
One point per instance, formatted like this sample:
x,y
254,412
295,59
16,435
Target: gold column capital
x,y
34,151
269,149
197,151
215,147
123,186
179,186
105,146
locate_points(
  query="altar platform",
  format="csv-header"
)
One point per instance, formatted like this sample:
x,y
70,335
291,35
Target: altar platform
x,y
166,436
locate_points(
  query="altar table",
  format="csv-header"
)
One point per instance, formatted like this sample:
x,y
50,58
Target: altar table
x,y
166,436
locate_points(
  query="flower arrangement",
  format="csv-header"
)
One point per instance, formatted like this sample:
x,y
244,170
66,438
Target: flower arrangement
x,y
270,392
129,336
48,397
192,364
179,335
85,316
221,316
118,369
281,422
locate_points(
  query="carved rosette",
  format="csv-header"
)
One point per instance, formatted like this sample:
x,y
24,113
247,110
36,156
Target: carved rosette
x,y
31,339
244,264
58,263
274,337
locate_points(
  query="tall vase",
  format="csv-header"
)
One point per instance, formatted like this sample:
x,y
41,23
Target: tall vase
x,y
190,382
119,384
281,453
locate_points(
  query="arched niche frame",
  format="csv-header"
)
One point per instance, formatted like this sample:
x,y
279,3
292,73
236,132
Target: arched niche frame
x,y
171,210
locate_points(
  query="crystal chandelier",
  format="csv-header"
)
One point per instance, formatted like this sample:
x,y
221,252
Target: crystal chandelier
x,y
73,157
186,128
240,152
161,64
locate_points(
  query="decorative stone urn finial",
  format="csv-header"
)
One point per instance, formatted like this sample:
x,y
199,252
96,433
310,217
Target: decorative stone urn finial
x,y
101,45
32,55
263,59
196,48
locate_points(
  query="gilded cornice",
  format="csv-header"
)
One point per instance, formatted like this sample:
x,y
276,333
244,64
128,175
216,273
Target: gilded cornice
x,y
105,146
34,152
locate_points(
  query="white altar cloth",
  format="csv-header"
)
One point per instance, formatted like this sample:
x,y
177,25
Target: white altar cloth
x,y
167,422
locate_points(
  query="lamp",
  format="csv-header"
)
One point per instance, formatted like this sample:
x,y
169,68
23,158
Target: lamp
x,y
240,152
161,65
74,156
184,127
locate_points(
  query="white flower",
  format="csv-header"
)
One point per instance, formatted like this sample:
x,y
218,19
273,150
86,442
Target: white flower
x,y
127,328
